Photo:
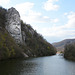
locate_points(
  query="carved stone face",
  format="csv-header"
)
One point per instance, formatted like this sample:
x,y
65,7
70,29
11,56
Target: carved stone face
x,y
15,29
14,26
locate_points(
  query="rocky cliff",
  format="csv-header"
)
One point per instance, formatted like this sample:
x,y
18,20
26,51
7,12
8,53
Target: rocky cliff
x,y
20,39
13,24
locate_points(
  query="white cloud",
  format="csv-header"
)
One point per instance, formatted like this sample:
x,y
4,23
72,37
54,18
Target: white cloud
x,y
26,12
46,17
50,5
52,31
71,20
30,16
65,14
63,31
55,20
3,2
58,32
24,8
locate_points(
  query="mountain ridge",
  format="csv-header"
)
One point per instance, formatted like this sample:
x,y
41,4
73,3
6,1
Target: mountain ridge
x,y
60,45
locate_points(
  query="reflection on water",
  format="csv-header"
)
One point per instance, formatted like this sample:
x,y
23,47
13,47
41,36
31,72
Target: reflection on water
x,y
52,65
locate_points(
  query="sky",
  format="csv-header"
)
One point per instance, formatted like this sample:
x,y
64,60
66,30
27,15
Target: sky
x,y
53,19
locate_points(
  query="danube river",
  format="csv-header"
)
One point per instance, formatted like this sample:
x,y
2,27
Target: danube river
x,y
51,65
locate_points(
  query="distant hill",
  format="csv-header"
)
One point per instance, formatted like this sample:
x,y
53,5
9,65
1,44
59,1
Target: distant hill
x,y
60,45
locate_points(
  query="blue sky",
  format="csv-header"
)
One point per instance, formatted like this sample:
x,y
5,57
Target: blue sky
x,y
54,19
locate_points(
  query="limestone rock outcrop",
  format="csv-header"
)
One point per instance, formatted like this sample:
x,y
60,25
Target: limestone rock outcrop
x,y
13,25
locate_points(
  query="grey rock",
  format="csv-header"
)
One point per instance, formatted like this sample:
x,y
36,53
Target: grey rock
x,y
31,31
13,24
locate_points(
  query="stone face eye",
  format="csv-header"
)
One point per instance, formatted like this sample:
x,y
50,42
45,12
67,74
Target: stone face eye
x,y
13,23
18,24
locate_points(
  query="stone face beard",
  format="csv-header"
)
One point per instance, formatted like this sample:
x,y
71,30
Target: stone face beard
x,y
13,24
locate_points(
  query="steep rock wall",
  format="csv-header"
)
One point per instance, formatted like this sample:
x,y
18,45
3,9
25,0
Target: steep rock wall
x,y
13,25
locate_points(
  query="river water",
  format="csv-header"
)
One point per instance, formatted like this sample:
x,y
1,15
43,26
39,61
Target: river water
x,y
51,65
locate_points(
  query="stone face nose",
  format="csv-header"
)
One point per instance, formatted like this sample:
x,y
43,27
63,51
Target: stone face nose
x,y
13,24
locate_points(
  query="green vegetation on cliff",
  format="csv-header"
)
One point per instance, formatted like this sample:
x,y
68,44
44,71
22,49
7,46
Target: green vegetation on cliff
x,y
8,47
35,43
3,12
69,52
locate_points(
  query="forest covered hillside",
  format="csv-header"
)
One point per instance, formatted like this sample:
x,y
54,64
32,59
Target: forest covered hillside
x,y
69,51
18,39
